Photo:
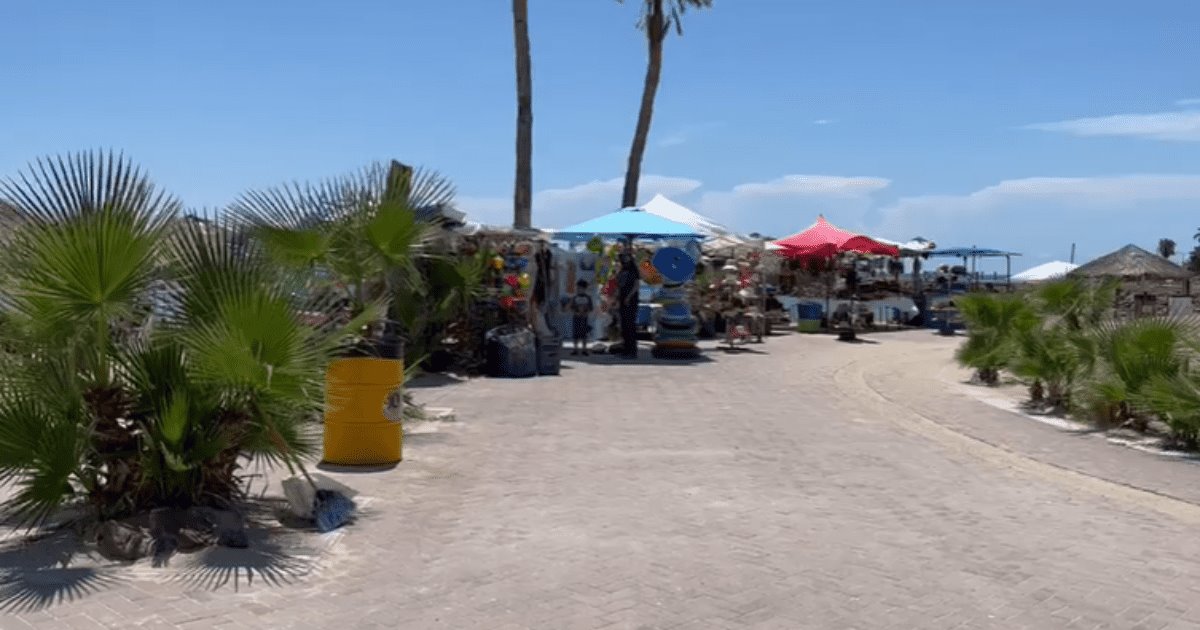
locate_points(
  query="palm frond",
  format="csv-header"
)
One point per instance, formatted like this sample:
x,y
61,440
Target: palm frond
x,y
41,448
54,190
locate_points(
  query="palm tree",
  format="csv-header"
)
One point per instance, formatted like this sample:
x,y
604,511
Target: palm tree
x,y
1166,248
144,358
658,18
523,189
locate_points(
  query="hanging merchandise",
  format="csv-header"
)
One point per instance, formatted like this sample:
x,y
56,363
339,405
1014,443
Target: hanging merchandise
x,y
523,281
595,245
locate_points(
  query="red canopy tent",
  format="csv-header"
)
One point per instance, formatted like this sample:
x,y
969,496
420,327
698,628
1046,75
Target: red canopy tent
x,y
825,240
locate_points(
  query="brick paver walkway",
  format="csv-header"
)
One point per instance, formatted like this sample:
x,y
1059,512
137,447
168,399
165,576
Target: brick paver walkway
x,y
811,485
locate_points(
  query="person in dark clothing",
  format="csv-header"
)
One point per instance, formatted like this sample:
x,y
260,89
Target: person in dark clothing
x,y
628,283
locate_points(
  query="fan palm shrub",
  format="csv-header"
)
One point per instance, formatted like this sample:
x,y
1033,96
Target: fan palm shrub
x,y
1176,400
1075,303
145,359
1131,356
993,324
1058,354
1053,360
361,238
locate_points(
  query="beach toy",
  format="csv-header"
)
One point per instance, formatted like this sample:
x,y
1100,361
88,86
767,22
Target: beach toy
x,y
595,245
497,263
512,280
523,280
507,302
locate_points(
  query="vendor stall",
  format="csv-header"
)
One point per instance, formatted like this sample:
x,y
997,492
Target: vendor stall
x,y
822,244
634,227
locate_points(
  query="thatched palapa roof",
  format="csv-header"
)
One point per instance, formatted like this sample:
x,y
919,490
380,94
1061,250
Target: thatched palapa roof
x,y
1132,261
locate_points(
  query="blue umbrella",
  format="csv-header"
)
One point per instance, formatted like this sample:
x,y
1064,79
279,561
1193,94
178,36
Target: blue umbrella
x,y
629,223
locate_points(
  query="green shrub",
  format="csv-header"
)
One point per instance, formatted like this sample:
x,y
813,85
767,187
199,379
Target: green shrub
x,y
146,357
1130,356
993,324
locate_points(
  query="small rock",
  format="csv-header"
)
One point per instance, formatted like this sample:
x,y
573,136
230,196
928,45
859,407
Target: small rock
x,y
194,540
1158,427
121,541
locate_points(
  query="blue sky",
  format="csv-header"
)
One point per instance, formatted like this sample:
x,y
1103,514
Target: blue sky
x,y
1021,124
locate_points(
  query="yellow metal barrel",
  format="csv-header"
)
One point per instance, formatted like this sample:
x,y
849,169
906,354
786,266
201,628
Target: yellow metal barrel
x,y
357,432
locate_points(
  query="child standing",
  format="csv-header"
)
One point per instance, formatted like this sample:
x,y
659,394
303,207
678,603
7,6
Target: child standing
x,y
581,311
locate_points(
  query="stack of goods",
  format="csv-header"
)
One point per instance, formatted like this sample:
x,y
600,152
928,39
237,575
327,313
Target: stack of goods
x,y
676,332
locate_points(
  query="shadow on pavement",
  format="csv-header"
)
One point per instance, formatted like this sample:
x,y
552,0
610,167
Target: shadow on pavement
x,y
342,469
859,341
645,357
429,381
35,573
274,558
740,350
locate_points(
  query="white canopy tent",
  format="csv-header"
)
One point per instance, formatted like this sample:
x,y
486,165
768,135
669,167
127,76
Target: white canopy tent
x,y
719,239
679,213
1046,271
914,247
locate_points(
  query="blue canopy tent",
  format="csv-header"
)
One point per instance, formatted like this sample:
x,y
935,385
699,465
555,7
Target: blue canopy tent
x,y
974,254
631,223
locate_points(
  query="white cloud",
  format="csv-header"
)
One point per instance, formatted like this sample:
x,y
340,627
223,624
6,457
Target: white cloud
x,y
560,207
685,134
822,121
1050,212
779,206
1179,126
673,140
788,204
1081,192
808,185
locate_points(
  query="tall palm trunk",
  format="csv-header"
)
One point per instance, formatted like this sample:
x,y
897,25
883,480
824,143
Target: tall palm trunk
x,y
523,189
656,32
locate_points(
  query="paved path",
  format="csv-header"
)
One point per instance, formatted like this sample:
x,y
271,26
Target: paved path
x,y
812,485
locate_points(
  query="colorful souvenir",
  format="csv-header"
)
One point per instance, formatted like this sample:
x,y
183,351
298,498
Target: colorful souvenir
x,y
676,330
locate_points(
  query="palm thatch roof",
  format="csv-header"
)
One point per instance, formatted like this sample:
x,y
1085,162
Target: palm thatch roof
x,y
1132,261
